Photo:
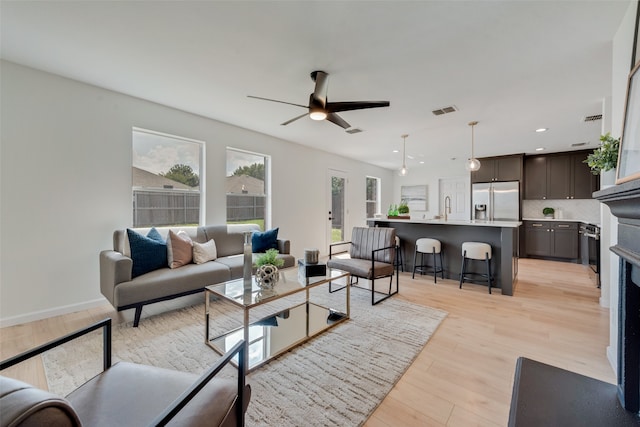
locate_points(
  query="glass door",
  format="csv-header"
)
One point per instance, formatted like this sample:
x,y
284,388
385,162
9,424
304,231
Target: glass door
x,y
336,212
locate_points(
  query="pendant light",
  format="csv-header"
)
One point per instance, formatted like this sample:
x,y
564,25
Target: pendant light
x,y
404,171
472,164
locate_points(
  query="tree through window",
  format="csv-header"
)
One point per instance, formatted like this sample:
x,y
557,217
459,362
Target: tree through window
x,y
165,179
246,188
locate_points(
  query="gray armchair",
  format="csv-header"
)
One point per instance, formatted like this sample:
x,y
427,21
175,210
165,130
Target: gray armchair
x,y
372,255
128,394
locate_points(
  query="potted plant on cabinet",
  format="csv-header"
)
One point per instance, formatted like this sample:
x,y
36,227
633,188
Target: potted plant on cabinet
x,y
548,212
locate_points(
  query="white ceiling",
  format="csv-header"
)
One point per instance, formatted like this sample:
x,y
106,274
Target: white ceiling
x,y
514,66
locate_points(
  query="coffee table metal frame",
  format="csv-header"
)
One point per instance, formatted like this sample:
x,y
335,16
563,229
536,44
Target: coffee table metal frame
x,y
249,300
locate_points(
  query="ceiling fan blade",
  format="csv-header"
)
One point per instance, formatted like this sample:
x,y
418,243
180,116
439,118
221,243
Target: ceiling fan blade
x,y
334,118
322,85
294,119
275,100
334,107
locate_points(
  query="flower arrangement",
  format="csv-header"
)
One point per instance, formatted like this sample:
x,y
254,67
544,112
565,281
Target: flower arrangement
x,y
605,157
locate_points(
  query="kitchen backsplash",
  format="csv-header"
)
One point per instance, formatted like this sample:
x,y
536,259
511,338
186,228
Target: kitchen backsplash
x,y
582,209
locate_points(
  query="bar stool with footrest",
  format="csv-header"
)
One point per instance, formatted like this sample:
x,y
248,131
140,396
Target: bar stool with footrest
x,y
476,251
429,246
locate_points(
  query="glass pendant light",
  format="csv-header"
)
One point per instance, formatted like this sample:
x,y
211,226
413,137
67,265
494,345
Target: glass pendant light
x,y
404,171
472,164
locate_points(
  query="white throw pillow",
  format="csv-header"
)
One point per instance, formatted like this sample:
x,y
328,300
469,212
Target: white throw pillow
x,y
203,252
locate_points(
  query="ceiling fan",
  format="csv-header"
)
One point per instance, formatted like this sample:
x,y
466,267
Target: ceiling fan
x,y
320,108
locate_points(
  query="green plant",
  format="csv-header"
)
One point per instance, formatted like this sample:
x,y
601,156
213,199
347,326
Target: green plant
x,y
403,208
548,211
605,157
270,257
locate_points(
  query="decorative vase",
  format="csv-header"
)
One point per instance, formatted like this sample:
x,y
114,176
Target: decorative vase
x,y
608,177
267,276
248,261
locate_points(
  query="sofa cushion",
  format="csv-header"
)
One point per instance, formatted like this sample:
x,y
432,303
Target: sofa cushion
x,y
261,241
165,281
179,249
148,253
229,238
204,252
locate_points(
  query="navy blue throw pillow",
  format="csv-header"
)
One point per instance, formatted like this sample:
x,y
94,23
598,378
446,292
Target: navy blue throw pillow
x,y
147,252
263,240
155,235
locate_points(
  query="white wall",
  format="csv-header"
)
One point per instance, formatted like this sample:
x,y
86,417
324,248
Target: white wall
x,y
621,63
429,173
65,181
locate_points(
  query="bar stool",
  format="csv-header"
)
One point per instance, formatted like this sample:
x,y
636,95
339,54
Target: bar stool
x,y
476,251
399,258
424,246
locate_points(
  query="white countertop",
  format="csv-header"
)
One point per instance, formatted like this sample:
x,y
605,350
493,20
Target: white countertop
x,y
505,224
561,220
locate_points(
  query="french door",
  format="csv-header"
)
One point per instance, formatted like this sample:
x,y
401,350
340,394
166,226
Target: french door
x,y
336,206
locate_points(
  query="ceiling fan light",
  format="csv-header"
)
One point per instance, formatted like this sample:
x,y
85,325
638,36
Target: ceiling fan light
x,y
317,114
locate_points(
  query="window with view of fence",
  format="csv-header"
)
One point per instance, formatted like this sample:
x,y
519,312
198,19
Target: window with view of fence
x,y
372,196
158,208
244,207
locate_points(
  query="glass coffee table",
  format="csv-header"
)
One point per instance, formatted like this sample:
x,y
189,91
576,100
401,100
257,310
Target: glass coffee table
x,y
288,315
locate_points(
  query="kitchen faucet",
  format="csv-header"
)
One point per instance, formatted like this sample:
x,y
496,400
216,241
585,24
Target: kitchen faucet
x,y
447,206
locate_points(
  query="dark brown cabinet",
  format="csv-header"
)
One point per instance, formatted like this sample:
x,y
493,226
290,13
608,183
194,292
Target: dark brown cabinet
x,y
552,239
502,168
558,176
584,182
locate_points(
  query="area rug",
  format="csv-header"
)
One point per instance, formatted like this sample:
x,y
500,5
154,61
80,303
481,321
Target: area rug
x,y
337,378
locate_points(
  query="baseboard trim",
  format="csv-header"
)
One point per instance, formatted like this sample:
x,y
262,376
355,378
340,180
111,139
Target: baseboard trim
x,y
45,314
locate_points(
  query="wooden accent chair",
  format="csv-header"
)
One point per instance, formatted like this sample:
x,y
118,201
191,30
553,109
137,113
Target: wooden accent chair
x,y
128,394
372,256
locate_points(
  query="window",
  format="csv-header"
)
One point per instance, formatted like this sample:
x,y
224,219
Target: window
x,y
373,196
166,179
247,188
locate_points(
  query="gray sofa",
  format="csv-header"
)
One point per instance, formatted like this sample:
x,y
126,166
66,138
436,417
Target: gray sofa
x,y
125,292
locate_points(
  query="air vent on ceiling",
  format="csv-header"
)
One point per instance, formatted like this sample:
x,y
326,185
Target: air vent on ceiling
x,y
444,110
593,118
579,144
353,130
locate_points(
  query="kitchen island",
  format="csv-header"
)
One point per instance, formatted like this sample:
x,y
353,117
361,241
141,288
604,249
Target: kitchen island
x,y
503,236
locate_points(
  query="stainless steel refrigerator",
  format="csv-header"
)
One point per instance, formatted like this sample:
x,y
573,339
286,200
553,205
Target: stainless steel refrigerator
x,y
496,201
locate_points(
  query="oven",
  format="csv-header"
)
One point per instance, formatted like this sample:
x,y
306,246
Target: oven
x,y
591,248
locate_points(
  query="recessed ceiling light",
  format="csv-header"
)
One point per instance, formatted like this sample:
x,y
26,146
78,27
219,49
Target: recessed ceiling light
x,y
396,151
540,149
542,129
422,162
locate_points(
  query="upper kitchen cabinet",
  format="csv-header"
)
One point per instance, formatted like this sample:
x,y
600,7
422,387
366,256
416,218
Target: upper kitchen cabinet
x,y
584,182
502,168
559,176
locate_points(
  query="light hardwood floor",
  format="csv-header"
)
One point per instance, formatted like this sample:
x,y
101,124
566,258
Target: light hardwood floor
x,y
464,375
